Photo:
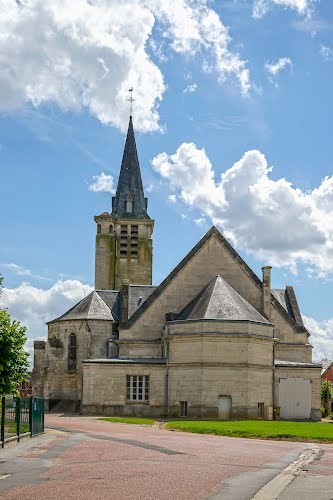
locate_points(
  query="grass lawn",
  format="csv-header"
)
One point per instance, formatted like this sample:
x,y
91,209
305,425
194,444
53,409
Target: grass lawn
x,y
11,427
129,420
297,431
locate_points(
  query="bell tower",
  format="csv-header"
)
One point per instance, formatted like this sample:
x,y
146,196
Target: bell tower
x,y
124,248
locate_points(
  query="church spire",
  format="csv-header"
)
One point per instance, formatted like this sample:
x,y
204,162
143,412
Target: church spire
x,y
130,201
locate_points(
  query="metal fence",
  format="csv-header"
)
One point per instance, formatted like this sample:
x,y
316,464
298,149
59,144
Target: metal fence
x,y
20,416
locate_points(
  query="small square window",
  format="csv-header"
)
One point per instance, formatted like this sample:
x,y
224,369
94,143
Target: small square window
x,y
137,388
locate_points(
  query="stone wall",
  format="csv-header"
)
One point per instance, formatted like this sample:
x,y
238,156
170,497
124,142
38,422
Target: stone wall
x,y
104,388
203,366
58,382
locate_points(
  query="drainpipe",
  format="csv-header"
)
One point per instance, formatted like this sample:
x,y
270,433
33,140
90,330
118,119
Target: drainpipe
x,y
81,405
273,381
166,355
115,260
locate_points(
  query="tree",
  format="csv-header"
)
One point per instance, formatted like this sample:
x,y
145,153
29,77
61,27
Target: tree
x,y
326,394
13,358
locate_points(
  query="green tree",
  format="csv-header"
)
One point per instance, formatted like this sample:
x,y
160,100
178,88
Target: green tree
x,y
326,395
13,358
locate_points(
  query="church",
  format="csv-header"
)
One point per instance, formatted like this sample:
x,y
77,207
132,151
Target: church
x,y
213,340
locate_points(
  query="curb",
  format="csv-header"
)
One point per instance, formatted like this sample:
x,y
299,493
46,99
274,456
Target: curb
x,y
275,487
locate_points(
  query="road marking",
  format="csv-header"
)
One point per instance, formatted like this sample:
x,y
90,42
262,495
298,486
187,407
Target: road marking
x,y
273,488
4,477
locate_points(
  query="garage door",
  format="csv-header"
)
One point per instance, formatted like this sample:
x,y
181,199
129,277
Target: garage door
x,y
295,398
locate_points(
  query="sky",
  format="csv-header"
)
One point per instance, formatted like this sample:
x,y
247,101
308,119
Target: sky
x,y
232,113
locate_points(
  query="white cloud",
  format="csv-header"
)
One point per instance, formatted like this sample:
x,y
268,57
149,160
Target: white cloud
x,y
21,271
326,52
303,7
274,68
191,87
88,53
200,222
102,183
271,219
172,198
34,306
321,337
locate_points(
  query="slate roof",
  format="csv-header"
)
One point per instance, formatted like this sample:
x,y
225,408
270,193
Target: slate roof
x,y
280,295
287,298
130,182
296,364
105,304
91,307
111,299
219,301
137,295
325,365
119,361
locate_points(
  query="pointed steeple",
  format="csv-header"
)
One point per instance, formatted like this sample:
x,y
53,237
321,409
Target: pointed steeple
x,y
130,201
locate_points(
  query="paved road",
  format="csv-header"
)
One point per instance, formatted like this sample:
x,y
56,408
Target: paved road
x,y
83,458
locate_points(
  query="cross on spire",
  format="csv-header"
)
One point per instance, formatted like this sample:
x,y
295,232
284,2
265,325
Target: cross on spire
x,y
130,99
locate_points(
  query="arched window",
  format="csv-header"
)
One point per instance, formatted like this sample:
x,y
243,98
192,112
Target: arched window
x,y
111,229
129,203
99,229
72,353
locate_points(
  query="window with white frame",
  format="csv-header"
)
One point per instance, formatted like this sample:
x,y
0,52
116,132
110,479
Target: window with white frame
x,y
137,388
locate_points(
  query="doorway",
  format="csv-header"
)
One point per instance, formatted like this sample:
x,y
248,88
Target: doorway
x,y
224,407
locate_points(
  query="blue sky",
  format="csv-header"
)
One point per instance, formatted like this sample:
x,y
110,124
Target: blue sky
x,y
227,89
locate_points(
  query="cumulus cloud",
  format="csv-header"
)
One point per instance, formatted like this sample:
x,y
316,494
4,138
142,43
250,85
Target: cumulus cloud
x,y
172,198
34,306
321,337
274,68
102,183
271,219
191,87
303,7
326,52
86,54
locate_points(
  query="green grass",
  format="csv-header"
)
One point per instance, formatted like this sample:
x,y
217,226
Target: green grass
x,y
10,427
300,431
129,420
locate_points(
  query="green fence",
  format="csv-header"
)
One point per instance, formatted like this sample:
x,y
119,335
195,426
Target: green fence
x,y
20,416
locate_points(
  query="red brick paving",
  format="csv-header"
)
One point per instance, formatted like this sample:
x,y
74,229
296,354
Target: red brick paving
x,y
105,469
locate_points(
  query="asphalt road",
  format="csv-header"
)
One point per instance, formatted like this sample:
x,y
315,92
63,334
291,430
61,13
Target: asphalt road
x,y
83,458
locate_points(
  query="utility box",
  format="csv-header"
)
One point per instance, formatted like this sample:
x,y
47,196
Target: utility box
x,y
276,412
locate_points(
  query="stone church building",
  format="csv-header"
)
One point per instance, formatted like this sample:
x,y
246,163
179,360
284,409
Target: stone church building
x,y
212,340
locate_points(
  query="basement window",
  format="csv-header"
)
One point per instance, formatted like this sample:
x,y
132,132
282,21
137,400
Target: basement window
x,y
261,410
137,388
183,408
